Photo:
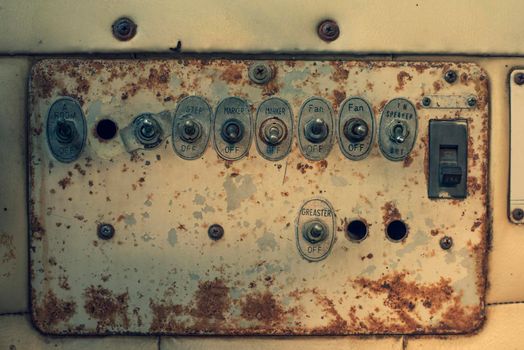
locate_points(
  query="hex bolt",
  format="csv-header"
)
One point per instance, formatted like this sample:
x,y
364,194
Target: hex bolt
x,y
518,78
517,214
124,29
450,76
232,131
215,232
260,73
356,130
273,131
426,101
471,101
328,30
190,130
106,231
316,130
446,242
314,231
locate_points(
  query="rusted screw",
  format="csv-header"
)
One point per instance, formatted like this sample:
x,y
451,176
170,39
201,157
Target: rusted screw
x,y
106,231
260,73
215,232
426,101
517,214
471,101
328,30
450,76
446,242
518,78
124,29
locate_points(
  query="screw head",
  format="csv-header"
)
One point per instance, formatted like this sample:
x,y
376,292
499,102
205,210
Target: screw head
x,y
450,76
517,214
215,232
106,231
260,73
328,30
446,242
518,78
124,29
471,101
426,101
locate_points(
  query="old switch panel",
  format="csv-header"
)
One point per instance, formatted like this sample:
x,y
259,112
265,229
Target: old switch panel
x,y
448,150
230,209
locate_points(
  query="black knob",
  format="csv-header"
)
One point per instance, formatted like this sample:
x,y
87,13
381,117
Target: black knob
x,y
232,131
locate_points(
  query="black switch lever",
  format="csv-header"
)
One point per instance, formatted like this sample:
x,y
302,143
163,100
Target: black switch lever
x,y
448,152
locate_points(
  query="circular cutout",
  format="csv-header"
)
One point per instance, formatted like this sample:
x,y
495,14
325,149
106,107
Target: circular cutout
x,y
397,231
106,129
357,230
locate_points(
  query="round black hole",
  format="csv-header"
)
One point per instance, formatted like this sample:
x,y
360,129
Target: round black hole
x,y
106,129
397,230
357,230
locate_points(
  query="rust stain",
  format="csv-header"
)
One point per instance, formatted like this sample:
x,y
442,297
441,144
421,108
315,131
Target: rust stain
x,y
262,307
402,78
303,167
339,96
407,161
65,182
164,317
108,309
340,73
408,298
7,242
390,213
232,74
212,300
52,311
473,185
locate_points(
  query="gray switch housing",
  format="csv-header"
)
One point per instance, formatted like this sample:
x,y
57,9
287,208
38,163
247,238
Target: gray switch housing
x,y
448,158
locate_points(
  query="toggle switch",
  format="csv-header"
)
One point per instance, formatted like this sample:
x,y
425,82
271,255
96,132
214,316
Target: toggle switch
x,y
316,130
314,231
232,131
447,159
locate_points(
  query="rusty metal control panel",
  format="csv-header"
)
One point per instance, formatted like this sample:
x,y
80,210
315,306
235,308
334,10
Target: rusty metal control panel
x,y
214,196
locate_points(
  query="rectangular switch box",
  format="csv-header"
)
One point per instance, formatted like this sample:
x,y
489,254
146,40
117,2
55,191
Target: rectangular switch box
x,y
448,142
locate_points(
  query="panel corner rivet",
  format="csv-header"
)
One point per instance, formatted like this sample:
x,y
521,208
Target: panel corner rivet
x,y
124,29
517,214
215,232
106,231
328,30
450,76
518,78
446,242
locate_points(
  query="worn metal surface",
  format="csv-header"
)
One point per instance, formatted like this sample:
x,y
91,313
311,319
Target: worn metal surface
x,y
162,274
516,183
366,26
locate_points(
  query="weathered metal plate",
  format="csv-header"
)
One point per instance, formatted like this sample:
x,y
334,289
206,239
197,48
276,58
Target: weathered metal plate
x,y
516,185
162,274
